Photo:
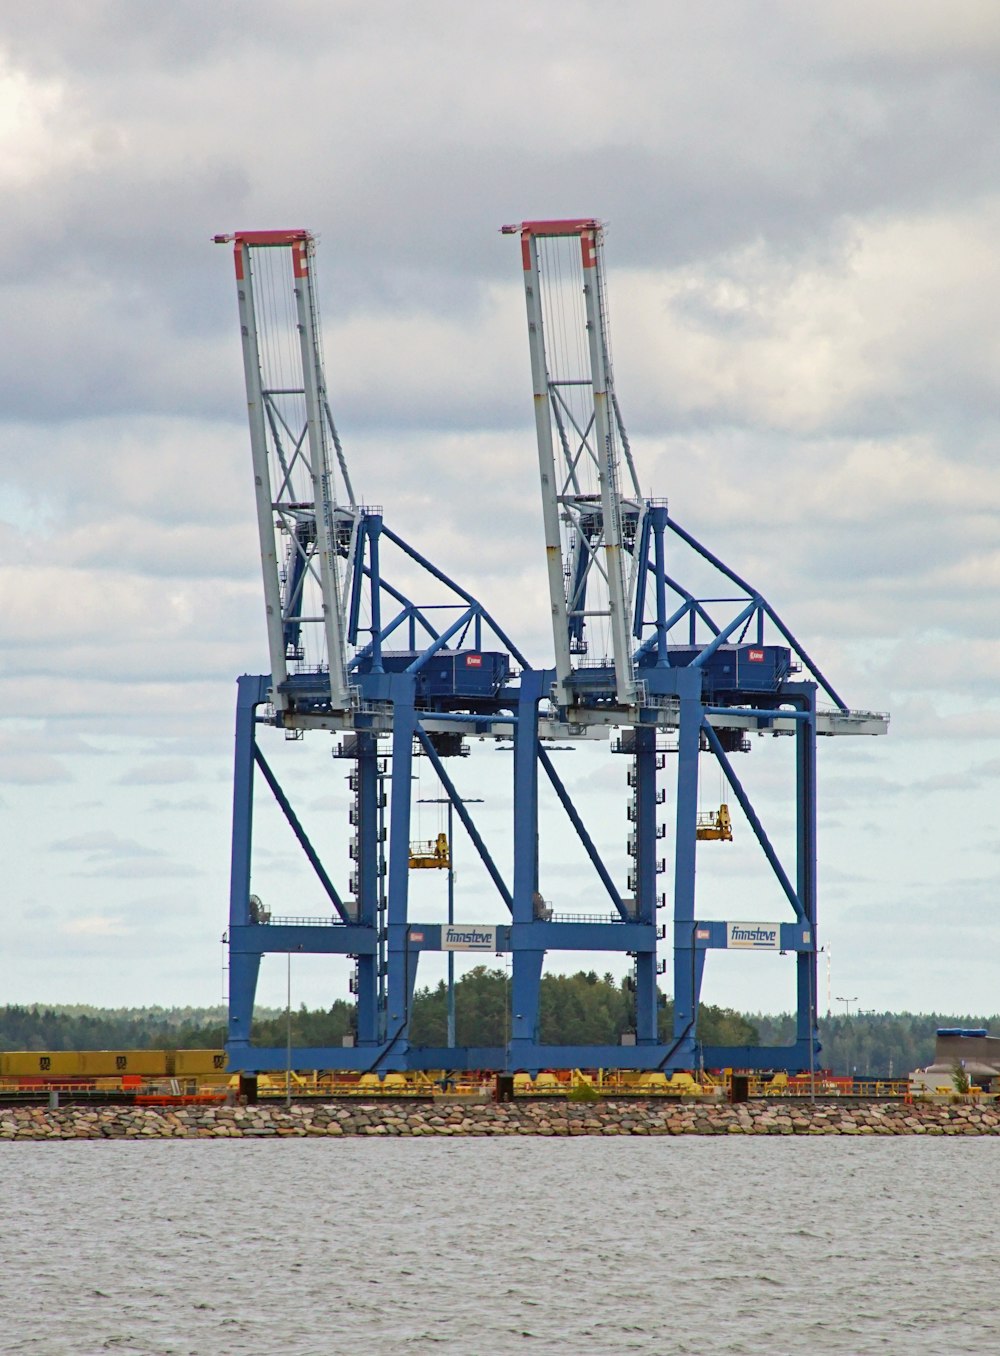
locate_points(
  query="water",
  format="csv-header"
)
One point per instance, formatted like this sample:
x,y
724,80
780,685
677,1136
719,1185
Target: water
x,y
298,1247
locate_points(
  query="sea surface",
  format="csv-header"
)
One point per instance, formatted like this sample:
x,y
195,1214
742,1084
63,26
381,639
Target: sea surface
x,y
219,1248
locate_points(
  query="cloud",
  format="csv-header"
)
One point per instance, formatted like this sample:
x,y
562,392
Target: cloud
x,y
336,804
30,145
802,291
21,769
188,805
890,331
160,773
102,843
96,925
131,869
109,856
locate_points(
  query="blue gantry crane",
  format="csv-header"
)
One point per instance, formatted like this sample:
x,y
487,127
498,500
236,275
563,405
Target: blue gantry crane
x,y
664,672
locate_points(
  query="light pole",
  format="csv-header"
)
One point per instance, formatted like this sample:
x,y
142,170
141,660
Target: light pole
x,y
847,1005
288,1036
446,800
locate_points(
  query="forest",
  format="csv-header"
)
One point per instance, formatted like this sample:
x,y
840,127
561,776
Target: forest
x,y
583,1008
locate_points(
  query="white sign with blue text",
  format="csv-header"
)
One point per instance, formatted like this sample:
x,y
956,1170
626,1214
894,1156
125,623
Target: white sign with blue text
x,y
468,937
753,936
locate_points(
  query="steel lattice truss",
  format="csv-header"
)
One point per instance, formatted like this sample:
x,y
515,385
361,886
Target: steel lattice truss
x,y
354,650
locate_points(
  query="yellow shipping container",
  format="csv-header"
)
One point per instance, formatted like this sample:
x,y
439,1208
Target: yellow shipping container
x,y
196,1063
112,1063
115,1063
41,1063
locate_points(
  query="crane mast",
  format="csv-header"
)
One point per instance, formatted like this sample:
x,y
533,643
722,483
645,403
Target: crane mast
x,y
304,521
588,523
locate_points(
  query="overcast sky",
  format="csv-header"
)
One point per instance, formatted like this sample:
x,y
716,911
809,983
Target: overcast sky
x,y
803,208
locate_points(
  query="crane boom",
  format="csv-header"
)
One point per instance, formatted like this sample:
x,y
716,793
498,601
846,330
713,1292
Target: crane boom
x,y
305,522
587,521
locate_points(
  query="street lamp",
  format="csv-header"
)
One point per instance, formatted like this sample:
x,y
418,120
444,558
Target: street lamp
x,y
446,800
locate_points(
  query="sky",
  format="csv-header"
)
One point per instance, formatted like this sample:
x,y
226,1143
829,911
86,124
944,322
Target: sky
x,y
802,208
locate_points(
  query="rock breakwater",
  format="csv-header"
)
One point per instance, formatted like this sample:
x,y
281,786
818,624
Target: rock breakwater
x,y
339,1119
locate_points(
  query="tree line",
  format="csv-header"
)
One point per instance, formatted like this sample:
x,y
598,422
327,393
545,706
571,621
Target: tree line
x,y
580,1009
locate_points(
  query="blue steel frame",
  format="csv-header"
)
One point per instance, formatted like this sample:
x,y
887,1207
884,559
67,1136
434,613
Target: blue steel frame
x,y
698,681
688,698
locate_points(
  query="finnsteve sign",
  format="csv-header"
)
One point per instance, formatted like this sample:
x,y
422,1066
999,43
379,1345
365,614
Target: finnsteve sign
x,y
468,937
753,936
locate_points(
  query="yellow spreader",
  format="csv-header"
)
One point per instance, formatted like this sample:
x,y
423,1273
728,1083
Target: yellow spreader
x,y
433,856
715,826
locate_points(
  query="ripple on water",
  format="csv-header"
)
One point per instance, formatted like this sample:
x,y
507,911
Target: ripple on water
x,y
492,1246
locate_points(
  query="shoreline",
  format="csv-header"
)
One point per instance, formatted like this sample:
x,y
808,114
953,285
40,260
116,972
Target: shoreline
x,y
547,1119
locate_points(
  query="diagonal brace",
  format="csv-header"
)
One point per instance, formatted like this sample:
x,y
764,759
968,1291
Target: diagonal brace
x,y
716,746
581,830
300,834
464,816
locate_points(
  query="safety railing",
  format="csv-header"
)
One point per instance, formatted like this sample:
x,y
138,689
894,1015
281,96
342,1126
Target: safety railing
x,y
557,917
288,921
